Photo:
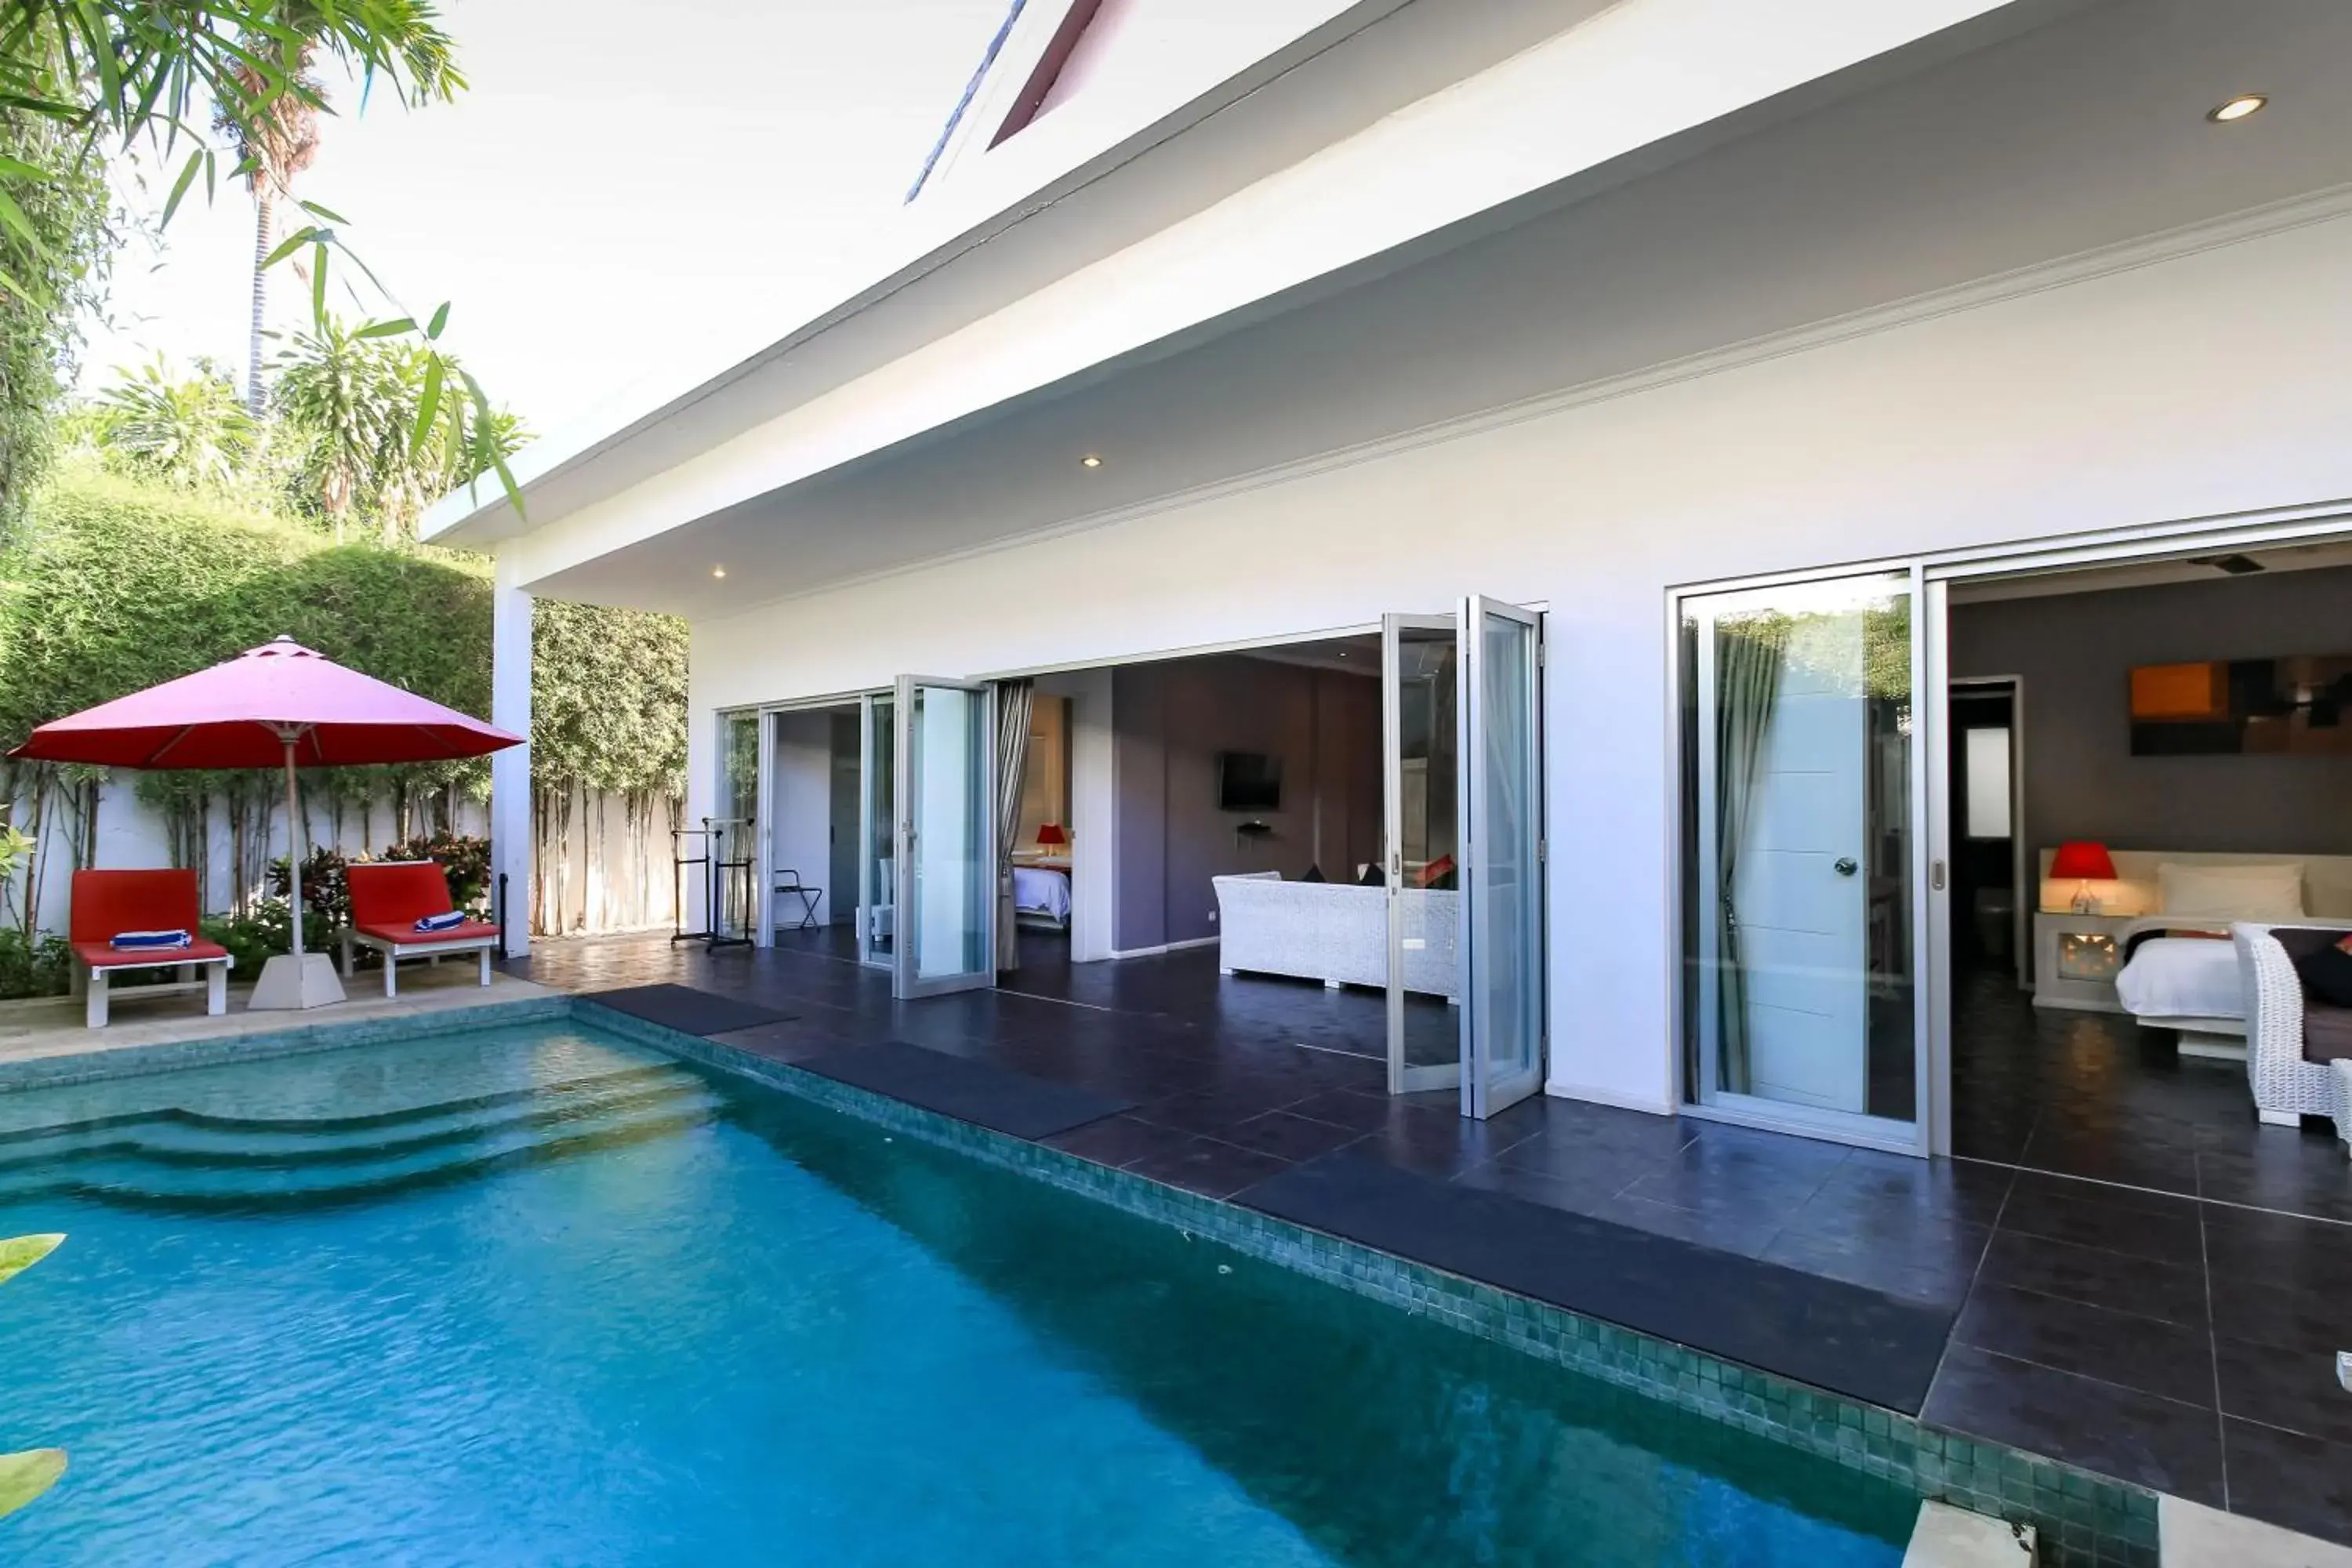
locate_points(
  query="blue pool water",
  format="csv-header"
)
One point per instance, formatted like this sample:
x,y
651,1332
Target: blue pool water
x,y
533,1295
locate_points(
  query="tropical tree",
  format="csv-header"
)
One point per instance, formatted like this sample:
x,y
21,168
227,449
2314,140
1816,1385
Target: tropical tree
x,y
365,406
190,432
277,134
53,237
161,74
340,392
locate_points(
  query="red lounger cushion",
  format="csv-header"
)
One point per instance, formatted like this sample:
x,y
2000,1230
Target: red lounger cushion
x,y
407,935
387,893
98,955
106,903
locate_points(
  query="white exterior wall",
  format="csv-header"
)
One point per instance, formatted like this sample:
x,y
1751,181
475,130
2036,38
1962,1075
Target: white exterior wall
x,y
2210,383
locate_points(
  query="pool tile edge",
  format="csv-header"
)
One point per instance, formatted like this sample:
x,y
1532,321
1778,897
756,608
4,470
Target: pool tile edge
x,y
2083,1519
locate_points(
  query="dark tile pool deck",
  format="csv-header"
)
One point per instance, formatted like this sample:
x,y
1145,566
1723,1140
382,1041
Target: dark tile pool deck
x,y
2124,1272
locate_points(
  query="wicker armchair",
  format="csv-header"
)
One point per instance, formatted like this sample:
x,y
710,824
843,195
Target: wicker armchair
x,y
2286,1085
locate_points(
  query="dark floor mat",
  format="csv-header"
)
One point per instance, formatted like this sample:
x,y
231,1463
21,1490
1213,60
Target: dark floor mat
x,y
686,1010
993,1097
1826,1333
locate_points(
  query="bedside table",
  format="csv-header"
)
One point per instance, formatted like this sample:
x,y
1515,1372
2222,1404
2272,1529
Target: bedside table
x,y
2077,958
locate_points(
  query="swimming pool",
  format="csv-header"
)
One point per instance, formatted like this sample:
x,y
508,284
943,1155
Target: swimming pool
x,y
537,1295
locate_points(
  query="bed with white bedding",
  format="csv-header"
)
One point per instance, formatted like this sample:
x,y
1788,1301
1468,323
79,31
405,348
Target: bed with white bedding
x,y
1041,894
2181,972
2190,983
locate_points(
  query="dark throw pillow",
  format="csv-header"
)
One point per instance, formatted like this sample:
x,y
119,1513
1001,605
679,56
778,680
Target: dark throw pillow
x,y
2326,973
1314,874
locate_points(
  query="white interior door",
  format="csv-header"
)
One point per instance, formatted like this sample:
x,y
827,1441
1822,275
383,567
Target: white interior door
x,y
945,851
1799,888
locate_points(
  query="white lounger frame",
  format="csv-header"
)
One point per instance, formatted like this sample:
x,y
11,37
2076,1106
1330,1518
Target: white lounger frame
x,y
393,952
90,983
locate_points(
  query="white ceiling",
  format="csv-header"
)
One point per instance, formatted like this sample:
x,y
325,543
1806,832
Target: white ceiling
x,y
2084,132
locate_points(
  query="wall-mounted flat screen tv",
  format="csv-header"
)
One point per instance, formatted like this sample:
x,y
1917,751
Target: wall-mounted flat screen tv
x,y
2295,706
1248,780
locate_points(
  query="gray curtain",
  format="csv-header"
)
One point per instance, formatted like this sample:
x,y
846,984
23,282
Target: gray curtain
x,y
1748,655
1014,699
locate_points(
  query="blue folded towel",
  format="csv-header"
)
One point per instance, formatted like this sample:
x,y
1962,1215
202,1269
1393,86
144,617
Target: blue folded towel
x,y
130,940
449,921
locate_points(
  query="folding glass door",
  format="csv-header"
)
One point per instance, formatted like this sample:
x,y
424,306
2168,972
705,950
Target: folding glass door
x,y
1462,860
1420,761
1800,847
1502,854
944,850
877,830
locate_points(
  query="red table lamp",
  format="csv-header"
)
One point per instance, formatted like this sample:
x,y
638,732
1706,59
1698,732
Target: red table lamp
x,y
1050,836
2083,862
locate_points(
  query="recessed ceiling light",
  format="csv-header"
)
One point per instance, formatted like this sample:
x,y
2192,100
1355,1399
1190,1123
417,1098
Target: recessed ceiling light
x,y
718,571
1090,461
2238,108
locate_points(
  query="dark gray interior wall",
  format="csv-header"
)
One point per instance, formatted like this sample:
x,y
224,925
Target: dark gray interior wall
x,y
1170,720
2076,652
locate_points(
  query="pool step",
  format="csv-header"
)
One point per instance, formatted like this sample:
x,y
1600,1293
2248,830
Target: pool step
x,y
177,1128
225,1179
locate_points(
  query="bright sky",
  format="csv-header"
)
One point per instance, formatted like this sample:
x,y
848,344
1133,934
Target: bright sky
x,y
626,183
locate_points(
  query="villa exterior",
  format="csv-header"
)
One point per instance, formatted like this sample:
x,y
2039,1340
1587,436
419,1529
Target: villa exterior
x,y
1681,368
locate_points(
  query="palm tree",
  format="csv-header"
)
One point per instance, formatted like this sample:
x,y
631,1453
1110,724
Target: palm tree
x,y
190,432
340,392
359,402
276,131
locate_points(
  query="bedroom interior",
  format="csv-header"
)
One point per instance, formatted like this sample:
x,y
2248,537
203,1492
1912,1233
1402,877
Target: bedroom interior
x,y
2151,769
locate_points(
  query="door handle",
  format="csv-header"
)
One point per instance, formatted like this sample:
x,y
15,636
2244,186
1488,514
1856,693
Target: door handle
x,y
1846,866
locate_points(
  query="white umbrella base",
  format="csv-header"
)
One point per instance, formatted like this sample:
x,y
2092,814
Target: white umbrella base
x,y
291,981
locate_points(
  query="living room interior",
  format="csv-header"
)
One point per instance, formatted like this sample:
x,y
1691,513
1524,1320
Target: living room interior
x,y
2143,757
1204,833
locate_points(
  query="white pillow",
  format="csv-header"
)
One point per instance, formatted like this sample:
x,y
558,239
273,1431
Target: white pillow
x,y
2230,893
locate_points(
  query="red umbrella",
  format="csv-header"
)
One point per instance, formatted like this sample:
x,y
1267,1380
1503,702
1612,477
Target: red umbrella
x,y
277,703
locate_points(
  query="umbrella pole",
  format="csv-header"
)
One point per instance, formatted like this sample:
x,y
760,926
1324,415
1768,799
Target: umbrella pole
x,y
294,848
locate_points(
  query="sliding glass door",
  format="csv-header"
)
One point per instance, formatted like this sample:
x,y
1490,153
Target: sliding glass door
x,y
944,738
1800,810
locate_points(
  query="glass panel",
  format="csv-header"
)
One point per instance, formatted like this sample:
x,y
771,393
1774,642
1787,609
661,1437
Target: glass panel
x,y
1503,860
878,833
1420,859
734,824
1797,720
948,888
1986,761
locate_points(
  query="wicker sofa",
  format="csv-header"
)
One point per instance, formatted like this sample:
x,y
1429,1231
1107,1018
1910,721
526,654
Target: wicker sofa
x,y
1336,932
2299,1051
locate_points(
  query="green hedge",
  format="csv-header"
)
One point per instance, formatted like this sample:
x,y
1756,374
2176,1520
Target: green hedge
x,y
113,584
